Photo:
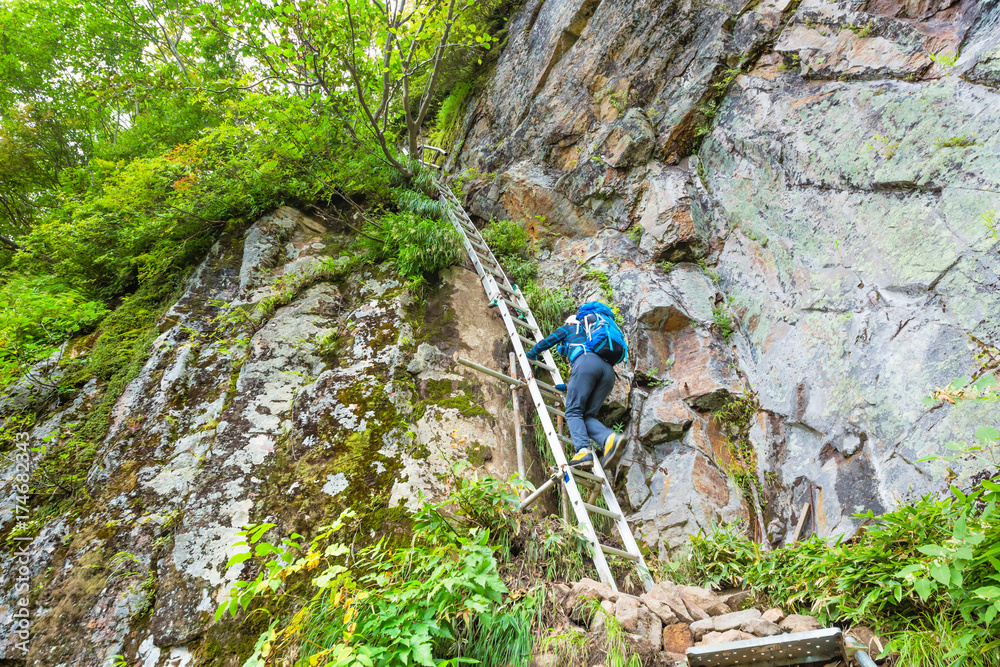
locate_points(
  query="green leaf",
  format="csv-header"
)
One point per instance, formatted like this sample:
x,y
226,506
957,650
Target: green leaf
x,y
932,550
959,383
988,592
987,381
239,558
942,573
923,588
986,434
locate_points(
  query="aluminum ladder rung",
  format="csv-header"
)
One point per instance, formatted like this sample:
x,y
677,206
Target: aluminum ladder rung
x,y
513,305
594,509
563,438
584,475
494,272
541,364
489,371
618,552
555,411
490,261
526,325
527,341
552,390
508,290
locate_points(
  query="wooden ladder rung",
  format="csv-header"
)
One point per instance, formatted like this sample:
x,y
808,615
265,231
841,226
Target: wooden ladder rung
x,y
618,552
603,512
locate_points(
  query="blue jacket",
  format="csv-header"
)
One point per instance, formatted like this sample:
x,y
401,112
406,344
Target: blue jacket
x,y
571,339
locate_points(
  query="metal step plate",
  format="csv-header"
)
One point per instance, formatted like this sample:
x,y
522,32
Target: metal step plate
x,y
800,648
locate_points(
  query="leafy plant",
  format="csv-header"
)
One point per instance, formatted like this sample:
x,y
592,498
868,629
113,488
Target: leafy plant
x,y
990,220
508,239
37,314
957,141
440,598
946,59
419,204
712,274
882,145
418,246
724,321
860,31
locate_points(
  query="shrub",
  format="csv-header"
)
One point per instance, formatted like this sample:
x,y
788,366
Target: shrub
x,y
37,314
419,204
724,321
508,238
442,596
906,571
418,246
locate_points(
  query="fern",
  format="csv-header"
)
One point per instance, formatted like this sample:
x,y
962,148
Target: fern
x,y
419,204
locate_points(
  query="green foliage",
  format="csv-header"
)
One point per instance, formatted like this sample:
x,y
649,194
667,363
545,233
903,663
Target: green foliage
x,y
882,145
736,417
449,116
123,344
946,59
512,246
910,572
549,306
724,321
712,274
418,246
957,141
860,31
419,204
990,220
437,599
39,313
508,239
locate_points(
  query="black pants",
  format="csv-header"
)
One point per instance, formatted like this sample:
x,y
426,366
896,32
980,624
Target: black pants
x,y
589,385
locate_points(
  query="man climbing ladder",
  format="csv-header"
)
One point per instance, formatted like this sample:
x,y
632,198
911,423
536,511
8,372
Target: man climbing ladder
x,y
593,344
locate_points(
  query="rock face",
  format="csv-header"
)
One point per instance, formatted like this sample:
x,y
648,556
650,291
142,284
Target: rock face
x,y
283,395
817,178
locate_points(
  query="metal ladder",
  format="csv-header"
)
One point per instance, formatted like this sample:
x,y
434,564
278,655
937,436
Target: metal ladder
x,y
509,301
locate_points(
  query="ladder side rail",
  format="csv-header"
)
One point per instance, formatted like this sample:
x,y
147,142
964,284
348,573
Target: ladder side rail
x,y
624,530
456,213
465,242
568,482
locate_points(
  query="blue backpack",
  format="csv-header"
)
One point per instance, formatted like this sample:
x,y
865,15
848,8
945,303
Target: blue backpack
x,y
604,338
